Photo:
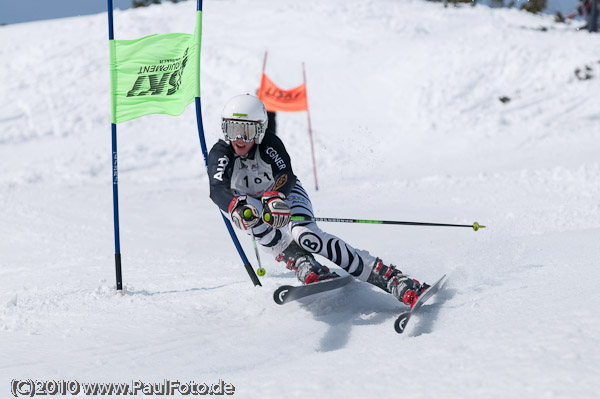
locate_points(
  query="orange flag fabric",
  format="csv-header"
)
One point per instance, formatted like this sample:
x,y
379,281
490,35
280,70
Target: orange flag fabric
x,y
276,99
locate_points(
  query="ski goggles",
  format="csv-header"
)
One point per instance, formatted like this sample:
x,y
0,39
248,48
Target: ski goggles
x,y
247,131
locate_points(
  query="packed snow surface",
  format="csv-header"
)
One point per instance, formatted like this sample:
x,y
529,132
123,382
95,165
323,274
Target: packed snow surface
x,y
408,125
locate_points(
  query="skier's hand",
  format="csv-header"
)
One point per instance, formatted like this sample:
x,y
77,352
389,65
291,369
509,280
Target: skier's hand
x,y
244,215
275,211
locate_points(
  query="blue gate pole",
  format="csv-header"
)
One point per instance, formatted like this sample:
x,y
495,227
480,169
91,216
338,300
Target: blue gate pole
x,y
236,242
115,174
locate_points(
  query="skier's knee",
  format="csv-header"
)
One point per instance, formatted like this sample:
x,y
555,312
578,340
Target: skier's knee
x,y
309,241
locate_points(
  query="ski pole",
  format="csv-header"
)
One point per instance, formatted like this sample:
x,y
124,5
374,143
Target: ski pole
x,y
260,271
475,226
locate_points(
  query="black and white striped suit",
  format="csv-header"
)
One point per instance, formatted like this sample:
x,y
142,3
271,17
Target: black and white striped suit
x,y
268,167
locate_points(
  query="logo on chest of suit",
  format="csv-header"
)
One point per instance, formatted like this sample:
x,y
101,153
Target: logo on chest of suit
x,y
221,165
253,166
272,152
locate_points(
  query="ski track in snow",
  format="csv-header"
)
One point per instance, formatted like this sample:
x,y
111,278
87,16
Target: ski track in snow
x,y
407,125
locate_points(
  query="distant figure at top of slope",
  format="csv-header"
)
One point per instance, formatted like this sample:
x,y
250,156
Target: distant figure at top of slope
x,y
584,9
251,180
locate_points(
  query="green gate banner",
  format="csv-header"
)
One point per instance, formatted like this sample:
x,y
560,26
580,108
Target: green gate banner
x,y
157,74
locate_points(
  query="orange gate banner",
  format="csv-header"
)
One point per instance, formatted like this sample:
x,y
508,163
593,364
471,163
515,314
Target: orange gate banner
x,y
276,99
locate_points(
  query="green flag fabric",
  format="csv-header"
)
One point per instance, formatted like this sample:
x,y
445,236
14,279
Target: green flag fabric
x,y
157,74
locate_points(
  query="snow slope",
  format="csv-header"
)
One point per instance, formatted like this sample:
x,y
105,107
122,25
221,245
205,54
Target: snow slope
x,y
408,125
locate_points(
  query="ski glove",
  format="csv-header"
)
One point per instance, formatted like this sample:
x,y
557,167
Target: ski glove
x,y
275,211
244,215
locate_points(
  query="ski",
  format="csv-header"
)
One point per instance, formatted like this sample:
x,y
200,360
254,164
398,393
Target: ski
x,y
403,319
288,293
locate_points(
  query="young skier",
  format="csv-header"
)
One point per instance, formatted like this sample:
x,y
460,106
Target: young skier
x,y
251,180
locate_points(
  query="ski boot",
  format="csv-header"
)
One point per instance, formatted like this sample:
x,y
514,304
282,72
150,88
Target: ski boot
x,y
391,280
307,269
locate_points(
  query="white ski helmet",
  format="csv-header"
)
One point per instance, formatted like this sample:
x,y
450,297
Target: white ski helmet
x,y
244,117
